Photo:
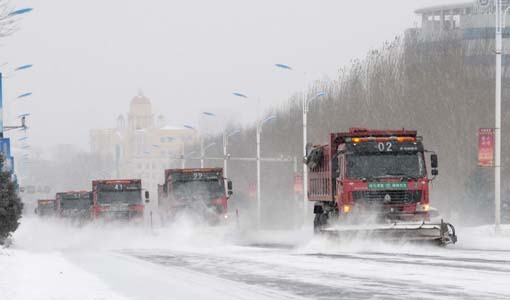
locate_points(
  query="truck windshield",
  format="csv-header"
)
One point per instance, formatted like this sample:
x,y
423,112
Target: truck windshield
x,y
75,203
391,165
112,197
199,190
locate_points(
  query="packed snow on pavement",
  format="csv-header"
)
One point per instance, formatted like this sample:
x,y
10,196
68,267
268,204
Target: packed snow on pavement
x,y
52,260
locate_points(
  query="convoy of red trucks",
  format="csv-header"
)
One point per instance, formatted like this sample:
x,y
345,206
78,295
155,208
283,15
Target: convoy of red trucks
x,y
202,191
374,182
364,181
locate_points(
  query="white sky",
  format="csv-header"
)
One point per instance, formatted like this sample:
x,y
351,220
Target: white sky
x,y
91,57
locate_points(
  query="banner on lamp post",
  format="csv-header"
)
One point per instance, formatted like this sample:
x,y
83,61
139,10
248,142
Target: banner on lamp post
x,y
486,147
298,184
252,190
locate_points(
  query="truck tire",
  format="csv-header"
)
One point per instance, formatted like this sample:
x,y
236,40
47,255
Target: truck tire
x,y
319,222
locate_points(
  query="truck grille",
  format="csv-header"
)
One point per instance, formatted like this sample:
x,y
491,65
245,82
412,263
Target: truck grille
x,y
381,197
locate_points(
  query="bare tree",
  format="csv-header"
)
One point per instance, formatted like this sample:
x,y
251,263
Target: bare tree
x,y
7,19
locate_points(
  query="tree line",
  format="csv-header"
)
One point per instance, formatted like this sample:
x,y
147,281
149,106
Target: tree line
x,y
435,86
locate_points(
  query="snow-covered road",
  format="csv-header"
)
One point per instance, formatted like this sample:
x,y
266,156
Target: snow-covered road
x,y
204,263
388,273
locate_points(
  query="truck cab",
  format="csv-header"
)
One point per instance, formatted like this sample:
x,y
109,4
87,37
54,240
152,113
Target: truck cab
x,y
203,192
46,208
117,199
363,173
74,205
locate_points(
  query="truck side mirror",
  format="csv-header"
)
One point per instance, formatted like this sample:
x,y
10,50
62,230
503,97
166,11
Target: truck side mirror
x,y
433,161
146,196
434,172
308,147
229,188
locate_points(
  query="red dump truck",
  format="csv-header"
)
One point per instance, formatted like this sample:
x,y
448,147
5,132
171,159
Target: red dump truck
x,y
46,208
118,199
74,205
374,182
202,192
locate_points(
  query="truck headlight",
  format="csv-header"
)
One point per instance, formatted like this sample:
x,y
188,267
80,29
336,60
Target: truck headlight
x,y
422,207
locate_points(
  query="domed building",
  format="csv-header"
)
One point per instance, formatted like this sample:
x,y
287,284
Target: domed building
x,y
141,148
140,113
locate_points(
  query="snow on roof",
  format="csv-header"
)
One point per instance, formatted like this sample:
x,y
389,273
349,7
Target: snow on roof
x,y
170,127
436,8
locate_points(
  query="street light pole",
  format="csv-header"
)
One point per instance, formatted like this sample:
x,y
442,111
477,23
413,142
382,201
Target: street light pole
x,y
225,143
184,157
259,203
206,114
500,25
305,167
497,125
306,108
202,153
225,171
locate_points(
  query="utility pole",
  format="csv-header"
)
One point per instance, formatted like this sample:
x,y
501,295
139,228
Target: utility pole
x,y
305,167
1,109
259,206
225,171
306,108
497,126
259,203
225,152
201,151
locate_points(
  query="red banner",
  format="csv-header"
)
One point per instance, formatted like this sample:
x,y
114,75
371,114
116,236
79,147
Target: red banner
x,y
486,147
298,184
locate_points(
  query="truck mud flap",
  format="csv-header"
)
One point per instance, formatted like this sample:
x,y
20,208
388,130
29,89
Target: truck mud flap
x,y
438,233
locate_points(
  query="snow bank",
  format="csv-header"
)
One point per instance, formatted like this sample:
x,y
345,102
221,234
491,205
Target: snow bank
x,y
484,238
27,276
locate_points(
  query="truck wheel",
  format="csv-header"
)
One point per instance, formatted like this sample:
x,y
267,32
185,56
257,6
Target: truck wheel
x,y
319,222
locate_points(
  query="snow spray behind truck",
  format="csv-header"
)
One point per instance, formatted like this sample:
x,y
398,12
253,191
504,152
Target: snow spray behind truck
x,y
202,192
118,199
374,183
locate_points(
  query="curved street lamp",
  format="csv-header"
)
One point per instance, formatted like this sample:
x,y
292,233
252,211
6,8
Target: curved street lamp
x,y
225,143
184,157
24,95
259,131
202,154
306,108
23,67
202,150
241,95
20,12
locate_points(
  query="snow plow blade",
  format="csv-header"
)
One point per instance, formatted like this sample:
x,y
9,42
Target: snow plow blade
x,y
439,233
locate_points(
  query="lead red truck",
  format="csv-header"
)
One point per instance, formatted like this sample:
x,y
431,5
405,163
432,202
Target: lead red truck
x,y
375,183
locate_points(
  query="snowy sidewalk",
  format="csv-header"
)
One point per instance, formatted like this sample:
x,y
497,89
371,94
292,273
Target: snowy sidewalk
x,y
47,276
